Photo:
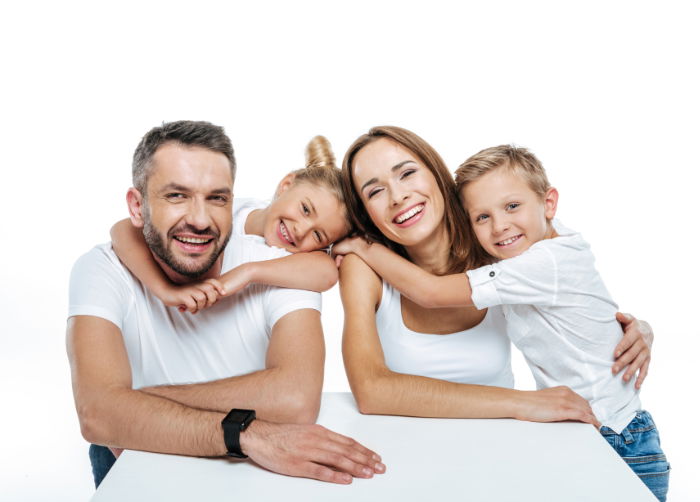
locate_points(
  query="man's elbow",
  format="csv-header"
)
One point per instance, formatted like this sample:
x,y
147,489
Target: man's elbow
x,y
93,427
299,408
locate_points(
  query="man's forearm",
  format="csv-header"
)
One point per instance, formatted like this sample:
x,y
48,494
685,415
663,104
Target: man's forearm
x,y
274,394
135,420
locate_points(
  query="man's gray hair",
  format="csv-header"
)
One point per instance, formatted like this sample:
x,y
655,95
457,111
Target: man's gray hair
x,y
186,132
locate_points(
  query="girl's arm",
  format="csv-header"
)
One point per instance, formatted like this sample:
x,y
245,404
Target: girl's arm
x,y
129,245
314,271
379,390
420,286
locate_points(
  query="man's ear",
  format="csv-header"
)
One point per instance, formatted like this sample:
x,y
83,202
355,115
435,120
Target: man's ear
x,y
135,201
551,199
285,184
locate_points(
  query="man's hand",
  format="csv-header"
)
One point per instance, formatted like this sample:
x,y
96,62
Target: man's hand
x,y
634,350
309,451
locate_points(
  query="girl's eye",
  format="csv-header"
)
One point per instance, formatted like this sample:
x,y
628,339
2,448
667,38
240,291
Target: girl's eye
x,y
317,236
513,205
481,217
305,209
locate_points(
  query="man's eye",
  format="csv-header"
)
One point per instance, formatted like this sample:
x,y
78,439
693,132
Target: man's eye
x,y
221,199
175,196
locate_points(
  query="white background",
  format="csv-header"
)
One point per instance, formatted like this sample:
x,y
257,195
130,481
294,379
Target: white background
x,y
605,93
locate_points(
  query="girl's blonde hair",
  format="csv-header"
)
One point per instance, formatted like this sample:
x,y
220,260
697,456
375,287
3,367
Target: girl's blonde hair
x,y
322,171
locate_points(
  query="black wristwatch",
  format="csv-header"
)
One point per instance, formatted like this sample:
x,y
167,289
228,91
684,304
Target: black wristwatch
x,y
233,424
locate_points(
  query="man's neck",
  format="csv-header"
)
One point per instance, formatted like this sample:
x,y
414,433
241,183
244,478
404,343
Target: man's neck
x,y
177,278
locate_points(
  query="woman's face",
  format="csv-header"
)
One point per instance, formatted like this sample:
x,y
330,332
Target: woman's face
x,y
304,217
399,192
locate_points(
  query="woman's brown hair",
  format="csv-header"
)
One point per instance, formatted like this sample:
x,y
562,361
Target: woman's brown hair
x,y
465,253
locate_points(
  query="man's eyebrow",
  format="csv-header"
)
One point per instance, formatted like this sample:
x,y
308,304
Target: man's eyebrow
x,y
393,169
221,191
175,187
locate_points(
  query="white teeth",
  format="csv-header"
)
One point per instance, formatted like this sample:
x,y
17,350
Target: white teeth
x,y
408,214
283,231
192,240
509,241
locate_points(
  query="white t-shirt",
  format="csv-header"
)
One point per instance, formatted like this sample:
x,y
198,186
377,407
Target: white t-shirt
x,y
561,316
166,346
480,355
242,207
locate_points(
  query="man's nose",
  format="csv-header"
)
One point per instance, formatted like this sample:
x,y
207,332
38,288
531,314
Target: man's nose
x,y
198,214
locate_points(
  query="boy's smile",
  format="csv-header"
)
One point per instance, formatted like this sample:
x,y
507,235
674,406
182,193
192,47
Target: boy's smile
x,y
506,214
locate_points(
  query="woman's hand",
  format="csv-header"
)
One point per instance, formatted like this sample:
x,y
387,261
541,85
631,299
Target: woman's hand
x,y
634,350
555,405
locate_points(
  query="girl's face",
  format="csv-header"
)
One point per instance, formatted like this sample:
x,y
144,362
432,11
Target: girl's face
x,y
399,192
304,217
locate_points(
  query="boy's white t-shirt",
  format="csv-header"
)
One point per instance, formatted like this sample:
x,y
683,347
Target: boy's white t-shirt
x,y
165,346
562,318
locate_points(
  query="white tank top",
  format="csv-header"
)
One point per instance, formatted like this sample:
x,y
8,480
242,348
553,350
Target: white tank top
x,y
480,355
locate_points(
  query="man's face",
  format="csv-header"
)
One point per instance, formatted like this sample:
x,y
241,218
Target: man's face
x,y
188,209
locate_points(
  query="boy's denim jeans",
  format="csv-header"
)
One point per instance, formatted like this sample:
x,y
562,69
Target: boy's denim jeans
x,y
640,447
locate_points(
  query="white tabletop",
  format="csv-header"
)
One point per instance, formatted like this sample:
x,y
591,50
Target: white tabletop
x,y
427,459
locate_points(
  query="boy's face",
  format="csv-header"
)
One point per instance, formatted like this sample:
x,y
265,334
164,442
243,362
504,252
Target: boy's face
x,y
507,215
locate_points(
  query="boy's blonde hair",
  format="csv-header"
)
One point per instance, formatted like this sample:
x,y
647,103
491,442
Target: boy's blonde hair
x,y
516,159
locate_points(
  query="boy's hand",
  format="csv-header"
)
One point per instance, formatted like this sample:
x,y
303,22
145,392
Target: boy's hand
x,y
634,350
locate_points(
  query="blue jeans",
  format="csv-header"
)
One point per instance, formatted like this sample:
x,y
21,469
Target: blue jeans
x,y
640,447
102,460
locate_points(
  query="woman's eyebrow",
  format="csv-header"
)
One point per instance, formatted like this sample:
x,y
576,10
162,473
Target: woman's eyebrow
x,y
393,169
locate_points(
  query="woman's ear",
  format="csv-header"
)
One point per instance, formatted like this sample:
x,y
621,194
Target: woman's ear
x,y
135,201
285,184
551,198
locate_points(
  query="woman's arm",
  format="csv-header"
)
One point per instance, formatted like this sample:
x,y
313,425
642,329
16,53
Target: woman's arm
x,y
378,390
314,271
420,286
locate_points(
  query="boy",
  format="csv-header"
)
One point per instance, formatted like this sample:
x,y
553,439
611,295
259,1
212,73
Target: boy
x,y
558,311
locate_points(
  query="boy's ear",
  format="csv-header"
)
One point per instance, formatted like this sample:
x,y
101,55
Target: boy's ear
x,y
551,198
135,201
285,184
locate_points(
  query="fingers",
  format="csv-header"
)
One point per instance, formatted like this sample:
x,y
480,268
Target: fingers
x,y
363,458
642,357
217,286
323,473
643,371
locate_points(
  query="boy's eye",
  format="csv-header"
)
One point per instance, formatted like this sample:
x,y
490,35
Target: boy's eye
x,y
513,205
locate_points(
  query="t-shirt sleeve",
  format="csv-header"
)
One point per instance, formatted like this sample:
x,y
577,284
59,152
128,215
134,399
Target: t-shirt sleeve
x,y
527,279
281,301
96,288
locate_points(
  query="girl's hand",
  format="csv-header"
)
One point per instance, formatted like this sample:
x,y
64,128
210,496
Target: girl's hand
x,y
346,246
190,297
235,279
634,350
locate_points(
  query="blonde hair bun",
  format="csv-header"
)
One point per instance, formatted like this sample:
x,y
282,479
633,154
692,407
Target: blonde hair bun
x,y
319,153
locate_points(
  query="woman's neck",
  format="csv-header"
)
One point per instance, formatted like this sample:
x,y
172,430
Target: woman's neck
x,y
255,222
433,253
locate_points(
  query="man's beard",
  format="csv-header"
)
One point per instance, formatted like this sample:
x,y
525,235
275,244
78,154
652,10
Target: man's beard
x,y
158,245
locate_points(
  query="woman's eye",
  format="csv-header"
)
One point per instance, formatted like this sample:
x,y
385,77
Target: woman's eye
x,y
407,173
513,205
373,192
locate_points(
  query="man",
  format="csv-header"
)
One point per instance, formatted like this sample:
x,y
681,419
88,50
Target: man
x,y
134,360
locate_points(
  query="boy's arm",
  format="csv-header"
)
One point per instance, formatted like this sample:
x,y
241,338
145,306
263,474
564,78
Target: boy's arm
x,y
313,271
421,287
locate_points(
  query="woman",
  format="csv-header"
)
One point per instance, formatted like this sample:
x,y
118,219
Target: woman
x,y
402,359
